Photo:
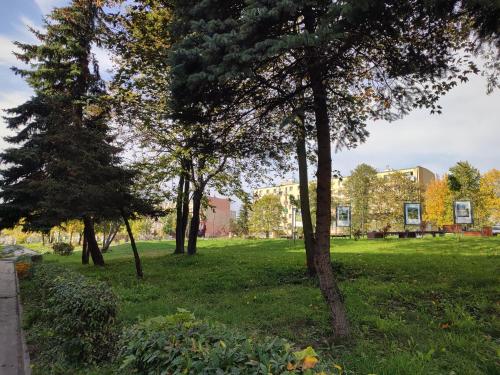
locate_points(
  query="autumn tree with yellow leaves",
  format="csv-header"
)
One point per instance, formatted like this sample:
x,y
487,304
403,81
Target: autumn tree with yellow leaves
x,y
438,209
488,210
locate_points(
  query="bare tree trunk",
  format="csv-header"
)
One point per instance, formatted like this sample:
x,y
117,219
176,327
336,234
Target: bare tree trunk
x,y
43,239
137,259
85,250
304,197
179,228
195,222
80,235
92,245
107,240
185,208
327,282
71,238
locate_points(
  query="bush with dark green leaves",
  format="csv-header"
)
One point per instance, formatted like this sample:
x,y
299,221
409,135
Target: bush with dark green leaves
x,y
181,344
62,248
76,317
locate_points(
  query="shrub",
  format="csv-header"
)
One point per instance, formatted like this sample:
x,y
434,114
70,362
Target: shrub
x,y
181,344
62,248
76,317
357,234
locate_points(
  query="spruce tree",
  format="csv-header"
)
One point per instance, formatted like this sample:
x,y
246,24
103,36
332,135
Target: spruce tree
x,y
63,164
392,56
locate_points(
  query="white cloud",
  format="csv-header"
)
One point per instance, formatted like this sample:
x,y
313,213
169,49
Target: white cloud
x,y
23,27
468,129
47,5
104,59
6,47
7,101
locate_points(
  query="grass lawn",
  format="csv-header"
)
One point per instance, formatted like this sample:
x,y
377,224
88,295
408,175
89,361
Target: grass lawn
x,y
420,306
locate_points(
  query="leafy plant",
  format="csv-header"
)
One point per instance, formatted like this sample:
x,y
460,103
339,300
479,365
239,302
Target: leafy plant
x,y
182,344
75,322
62,248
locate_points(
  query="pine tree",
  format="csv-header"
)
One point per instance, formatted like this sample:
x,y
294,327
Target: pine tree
x,y
64,165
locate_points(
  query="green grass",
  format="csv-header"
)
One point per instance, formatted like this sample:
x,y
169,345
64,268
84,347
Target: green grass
x,y
422,306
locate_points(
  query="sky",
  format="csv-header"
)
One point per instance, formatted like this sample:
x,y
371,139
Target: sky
x,y
468,129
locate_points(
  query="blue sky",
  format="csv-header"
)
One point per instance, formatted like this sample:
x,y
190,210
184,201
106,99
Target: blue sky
x,y
468,129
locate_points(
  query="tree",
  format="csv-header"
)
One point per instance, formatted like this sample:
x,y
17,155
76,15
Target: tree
x,y
267,215
384,52
201,149
73,226
65,166
243,220
359,191
488,211
169,224
464,179
438,207
389,195
464,182
109,229
141,227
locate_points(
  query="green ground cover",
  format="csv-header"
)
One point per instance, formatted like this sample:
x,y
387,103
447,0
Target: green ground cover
x,y
420,306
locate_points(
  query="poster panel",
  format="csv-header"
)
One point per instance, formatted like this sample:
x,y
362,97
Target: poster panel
x,y
413,213
343,216
462,211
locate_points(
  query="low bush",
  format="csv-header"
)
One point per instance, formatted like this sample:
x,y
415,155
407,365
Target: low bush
x,y
62,248
75,318
181,344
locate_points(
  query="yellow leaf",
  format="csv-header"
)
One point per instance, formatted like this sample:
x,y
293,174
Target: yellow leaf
x,y
290,366
309,362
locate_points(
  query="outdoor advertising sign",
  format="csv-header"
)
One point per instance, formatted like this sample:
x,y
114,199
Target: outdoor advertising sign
x,y
343,216
462,211
413,213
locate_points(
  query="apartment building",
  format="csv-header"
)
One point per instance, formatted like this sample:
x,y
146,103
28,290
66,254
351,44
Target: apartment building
x,y
420,175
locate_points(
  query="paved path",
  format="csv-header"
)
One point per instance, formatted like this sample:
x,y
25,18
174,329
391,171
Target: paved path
x,y
13,357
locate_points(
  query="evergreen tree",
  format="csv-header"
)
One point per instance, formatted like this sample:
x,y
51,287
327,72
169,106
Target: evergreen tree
x,y
64,165
243,218
394,55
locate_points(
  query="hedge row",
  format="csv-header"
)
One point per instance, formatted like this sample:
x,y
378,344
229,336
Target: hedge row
x,y
181,344
75,316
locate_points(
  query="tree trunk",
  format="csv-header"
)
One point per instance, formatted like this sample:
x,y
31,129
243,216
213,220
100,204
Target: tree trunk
x,y
138,266
195,222
80,235
179,237
92,245
185,209
304,197
43,239
327,282
71,238
85,250
113,230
